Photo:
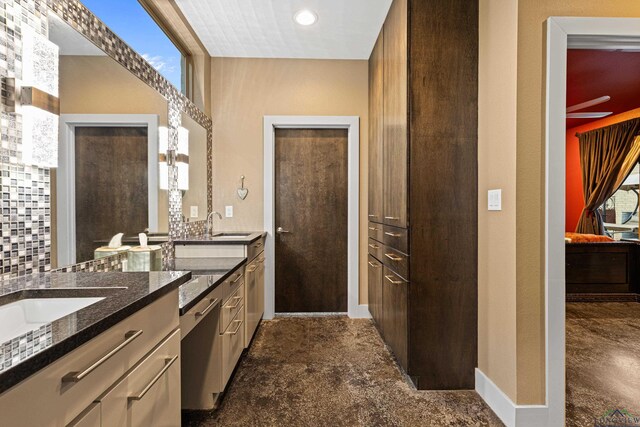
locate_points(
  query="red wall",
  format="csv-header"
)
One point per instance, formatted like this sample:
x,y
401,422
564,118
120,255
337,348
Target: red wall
x,y
575,195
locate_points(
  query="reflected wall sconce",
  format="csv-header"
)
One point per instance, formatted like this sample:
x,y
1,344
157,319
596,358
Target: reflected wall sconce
x,y
178,158
35,98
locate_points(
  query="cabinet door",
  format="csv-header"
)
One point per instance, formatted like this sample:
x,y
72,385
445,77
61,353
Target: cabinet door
x,y
395,116
376,130
375,290
150,394
251,301
395,315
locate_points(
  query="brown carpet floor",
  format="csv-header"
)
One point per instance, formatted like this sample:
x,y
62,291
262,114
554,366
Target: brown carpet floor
x,y
603,360
332,371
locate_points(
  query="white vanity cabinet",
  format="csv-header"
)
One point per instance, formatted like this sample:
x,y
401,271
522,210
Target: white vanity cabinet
x,y
73,389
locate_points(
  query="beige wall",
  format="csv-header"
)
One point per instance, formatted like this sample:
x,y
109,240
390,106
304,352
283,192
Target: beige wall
x,y
529,180
244,91
99,85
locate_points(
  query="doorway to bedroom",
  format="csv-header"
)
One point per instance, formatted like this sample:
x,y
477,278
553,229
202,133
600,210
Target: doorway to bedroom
x,y
602,248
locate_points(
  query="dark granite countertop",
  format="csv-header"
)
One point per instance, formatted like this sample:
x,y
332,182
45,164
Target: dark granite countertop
x,y
214,271
219,239
124,294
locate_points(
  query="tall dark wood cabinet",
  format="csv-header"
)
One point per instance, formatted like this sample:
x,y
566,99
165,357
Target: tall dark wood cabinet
x,y
423,178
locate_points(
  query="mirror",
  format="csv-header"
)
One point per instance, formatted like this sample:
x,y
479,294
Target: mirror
x,y
108,175
194,199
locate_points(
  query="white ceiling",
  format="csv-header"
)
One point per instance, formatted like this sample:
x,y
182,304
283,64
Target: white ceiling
x,y
346,29
69,40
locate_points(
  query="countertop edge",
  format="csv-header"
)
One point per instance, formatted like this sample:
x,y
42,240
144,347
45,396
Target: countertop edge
x,y
245,241
17,374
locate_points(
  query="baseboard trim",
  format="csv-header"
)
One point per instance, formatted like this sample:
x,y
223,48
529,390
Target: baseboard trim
x,y
360,312
512,415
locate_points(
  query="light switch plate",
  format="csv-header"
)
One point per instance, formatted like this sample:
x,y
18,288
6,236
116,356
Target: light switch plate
x,y
495,200
194,212
228,211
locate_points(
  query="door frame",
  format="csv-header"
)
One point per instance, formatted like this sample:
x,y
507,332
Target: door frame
x,y
352,124
66,173
560,31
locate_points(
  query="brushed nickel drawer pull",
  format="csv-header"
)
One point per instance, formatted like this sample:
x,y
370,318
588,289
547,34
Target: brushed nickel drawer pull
x,y
236,279
252,269
374,265
240,322
374,229
393,257
74,377
258,245
393,218
372,246
386,233
167,364
395,282
373,216
213,302
238,299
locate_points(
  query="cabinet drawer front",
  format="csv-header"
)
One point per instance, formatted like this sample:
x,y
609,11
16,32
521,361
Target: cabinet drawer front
x,y
231,307
232,284
376,248
150,394
376,232
396,261
396,238
255,249
59,401
209,305
232,346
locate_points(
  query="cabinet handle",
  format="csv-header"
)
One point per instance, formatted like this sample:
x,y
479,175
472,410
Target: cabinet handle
x,y
393,257
252,269
236,279
395,282
237,329
374,265
372,246
258,245
74,377
213,302
373,229
392,234
392,218
167,364
373,216
237,303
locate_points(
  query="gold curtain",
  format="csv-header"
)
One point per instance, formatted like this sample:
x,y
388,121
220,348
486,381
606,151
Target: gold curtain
x,y
607,156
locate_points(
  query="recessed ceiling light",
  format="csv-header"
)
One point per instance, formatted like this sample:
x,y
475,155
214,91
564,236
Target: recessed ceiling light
x,y
305,17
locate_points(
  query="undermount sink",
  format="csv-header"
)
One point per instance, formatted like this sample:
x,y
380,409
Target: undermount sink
x,y
39,307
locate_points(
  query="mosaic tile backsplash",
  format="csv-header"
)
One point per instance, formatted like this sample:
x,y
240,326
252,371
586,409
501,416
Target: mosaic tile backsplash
x,y
25,232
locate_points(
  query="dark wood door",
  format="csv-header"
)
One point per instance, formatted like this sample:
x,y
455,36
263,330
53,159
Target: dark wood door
x,y
395,115
311,206
111,185
375,290
376,131
395,315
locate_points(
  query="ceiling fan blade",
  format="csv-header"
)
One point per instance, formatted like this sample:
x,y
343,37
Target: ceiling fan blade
x,y
587,104
589,115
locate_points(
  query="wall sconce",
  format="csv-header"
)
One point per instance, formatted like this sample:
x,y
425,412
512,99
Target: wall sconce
x,y
35,98
179,158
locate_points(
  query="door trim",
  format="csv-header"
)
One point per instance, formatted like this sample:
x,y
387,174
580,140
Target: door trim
x,y
352,124
66,185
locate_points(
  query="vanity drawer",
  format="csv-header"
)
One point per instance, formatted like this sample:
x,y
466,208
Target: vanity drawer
x,y
255,248
208,306
397,238
376,232
396,261
232,345
150,394
376,249
231,307
69,385
232,283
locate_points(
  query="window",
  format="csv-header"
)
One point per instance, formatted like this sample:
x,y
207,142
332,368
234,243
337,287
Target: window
x,y
620,212
131,22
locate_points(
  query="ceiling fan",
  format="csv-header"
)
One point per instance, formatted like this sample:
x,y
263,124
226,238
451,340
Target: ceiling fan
x,y
571,114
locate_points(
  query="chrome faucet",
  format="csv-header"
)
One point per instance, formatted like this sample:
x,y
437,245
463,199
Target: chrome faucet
x,y
209,225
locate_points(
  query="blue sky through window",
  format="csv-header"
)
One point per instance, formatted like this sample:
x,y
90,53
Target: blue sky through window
x,y
129,20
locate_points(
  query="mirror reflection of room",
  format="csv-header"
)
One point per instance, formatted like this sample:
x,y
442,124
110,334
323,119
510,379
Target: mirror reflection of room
x,y
602,257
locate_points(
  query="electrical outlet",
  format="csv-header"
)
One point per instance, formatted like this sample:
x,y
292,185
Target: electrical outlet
x,y
194,212
228,211
495,200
